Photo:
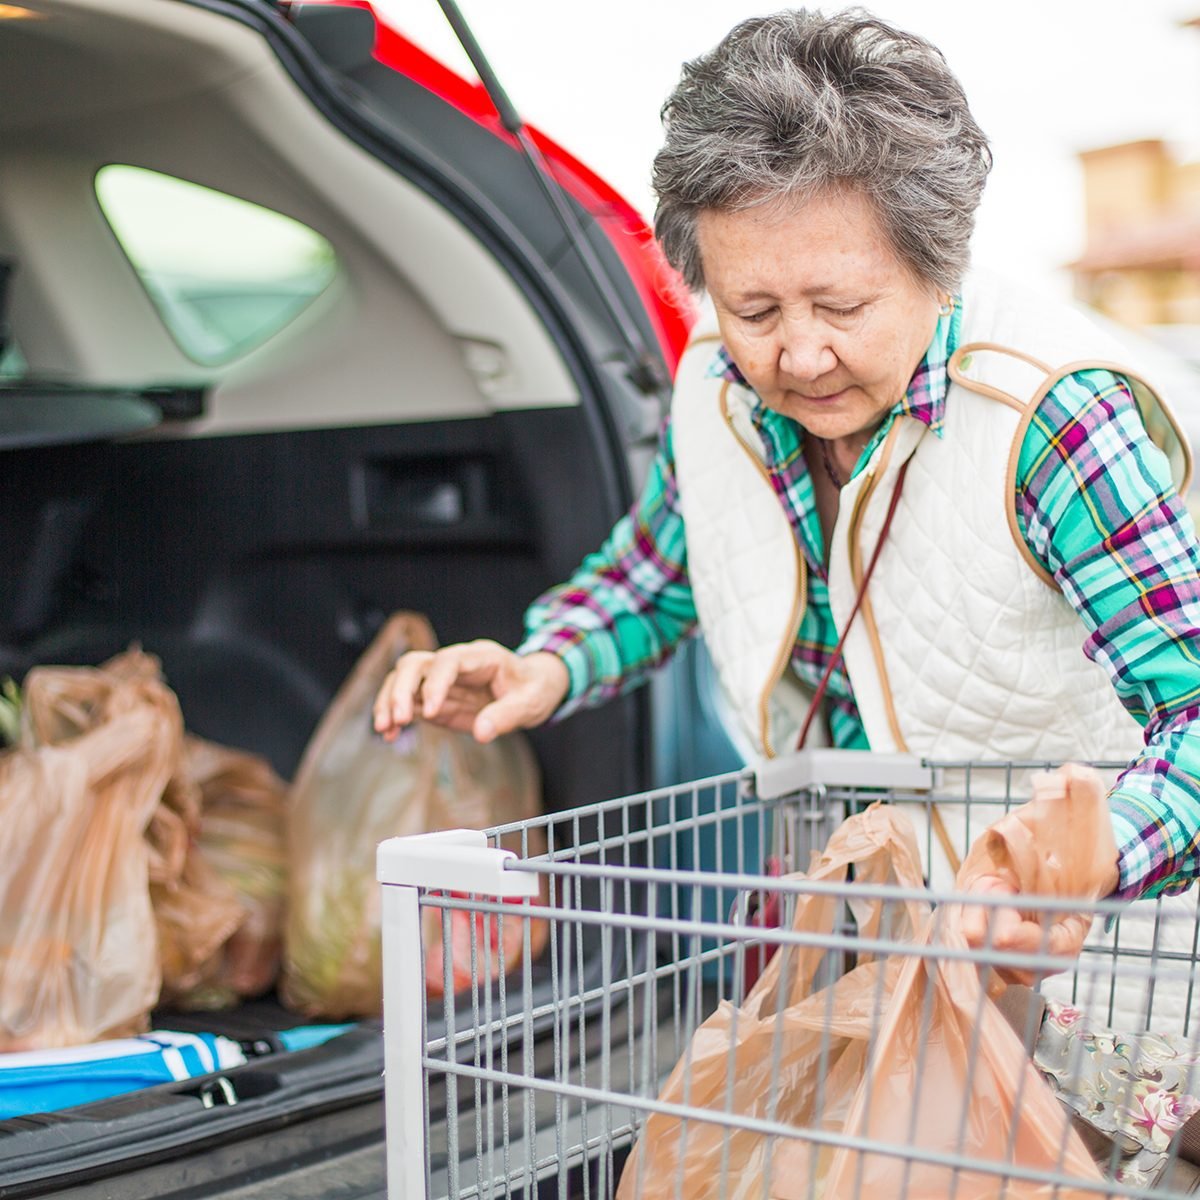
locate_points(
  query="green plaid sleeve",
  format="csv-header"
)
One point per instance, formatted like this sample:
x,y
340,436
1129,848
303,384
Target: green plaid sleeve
x,y
627,607
1100,511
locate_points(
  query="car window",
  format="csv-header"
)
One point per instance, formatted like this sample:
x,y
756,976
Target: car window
x,y
224,274
12,362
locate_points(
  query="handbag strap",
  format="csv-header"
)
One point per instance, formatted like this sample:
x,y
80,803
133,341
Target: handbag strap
x,y
836,656
939,826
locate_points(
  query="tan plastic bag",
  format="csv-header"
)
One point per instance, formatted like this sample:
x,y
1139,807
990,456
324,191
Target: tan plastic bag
x,y
214,841
237,865
78,953
195,914
352,791
195,911
65,702
907,1098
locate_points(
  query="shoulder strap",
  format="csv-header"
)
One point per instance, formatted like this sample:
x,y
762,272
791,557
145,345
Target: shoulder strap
x,y
1162,427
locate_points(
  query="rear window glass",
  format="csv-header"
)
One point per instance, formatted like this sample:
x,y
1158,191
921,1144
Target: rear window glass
x,y
12,362
224,274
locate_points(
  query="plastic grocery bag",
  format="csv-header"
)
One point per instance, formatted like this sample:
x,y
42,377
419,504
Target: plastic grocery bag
x,y
65,702
352,791
195,911
224,920
214,840
78,954
907,1052
60,703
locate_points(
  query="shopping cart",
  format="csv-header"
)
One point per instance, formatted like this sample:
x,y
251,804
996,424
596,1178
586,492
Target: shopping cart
x,y
538,1078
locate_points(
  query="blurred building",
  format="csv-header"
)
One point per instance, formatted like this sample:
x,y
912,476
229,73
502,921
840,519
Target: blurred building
x,y
1141,264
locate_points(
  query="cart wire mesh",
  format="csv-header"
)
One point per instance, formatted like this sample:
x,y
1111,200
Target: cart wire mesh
x,y
616,944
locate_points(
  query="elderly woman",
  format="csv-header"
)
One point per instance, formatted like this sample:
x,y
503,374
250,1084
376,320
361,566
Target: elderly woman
x,y
861,411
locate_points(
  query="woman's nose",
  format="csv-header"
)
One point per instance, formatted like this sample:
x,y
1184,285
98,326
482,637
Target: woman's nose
x,y
806,352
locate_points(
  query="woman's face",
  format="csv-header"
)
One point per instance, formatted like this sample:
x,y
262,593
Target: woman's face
x,y
817,311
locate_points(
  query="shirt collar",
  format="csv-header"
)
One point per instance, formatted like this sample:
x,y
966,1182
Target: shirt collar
x,y
925,398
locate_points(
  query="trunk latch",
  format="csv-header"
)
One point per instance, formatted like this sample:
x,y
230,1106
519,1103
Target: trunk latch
x,y
217,1093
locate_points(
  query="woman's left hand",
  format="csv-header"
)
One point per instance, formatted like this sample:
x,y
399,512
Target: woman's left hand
x,y
1007,929
1058,845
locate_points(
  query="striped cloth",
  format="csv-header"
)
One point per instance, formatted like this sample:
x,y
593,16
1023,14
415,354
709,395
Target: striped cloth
x,y
35,1081
1097,508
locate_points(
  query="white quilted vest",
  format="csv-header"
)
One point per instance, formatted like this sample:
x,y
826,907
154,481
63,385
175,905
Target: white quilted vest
x,y
963,649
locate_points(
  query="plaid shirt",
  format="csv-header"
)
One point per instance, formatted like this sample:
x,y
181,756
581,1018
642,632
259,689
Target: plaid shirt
x,y
1097,508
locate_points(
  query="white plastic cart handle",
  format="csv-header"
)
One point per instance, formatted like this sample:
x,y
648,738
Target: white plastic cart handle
x,y
455,860
791,773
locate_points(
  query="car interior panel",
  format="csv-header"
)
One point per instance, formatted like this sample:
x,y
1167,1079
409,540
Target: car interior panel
x,y
443,425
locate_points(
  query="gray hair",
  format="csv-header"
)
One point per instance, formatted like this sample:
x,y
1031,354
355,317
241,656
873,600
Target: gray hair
x,y
797,103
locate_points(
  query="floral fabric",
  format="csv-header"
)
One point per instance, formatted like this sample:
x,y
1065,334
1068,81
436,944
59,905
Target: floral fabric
x,y
1137,1089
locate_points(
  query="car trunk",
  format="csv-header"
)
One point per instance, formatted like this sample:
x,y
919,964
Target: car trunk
x,y
447,428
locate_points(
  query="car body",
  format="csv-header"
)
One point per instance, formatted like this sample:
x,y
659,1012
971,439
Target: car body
x,y
244,461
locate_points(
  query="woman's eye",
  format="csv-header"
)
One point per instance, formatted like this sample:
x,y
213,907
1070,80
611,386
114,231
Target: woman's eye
x,y
756,318
843,312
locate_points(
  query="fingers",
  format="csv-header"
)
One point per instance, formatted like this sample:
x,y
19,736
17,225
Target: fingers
x,y
1005,930
974,925
479,686
1000,928
395,701
448,686
473,663
976,919
459,708
531,691
1059,939
1068,934
1013,935
502,716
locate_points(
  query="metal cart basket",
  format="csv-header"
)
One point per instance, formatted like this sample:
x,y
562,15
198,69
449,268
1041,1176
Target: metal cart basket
x,y
580,961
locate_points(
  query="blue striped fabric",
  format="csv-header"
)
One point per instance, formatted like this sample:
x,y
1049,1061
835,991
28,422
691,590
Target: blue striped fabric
x,y
34,1081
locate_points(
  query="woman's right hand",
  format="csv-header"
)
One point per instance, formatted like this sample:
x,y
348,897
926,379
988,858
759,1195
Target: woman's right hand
x,y
479,687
